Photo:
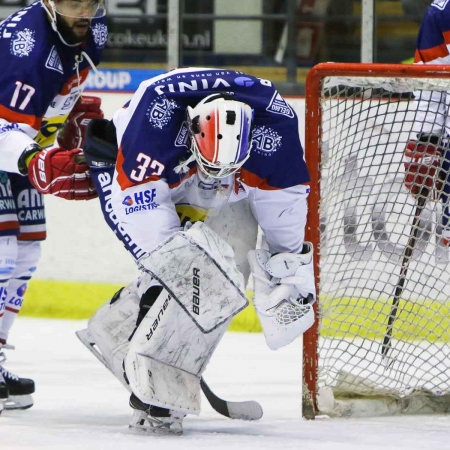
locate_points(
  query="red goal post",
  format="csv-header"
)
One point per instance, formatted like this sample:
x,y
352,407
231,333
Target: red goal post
x,y
359,118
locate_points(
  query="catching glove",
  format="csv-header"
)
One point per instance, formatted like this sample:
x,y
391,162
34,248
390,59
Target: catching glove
x,y
284,293
422,165
61,172
74,130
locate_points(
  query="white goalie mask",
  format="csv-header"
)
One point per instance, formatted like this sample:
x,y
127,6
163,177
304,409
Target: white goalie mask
x,y
220,130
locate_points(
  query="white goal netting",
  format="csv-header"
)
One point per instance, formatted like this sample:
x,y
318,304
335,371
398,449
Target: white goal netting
x,y
371,346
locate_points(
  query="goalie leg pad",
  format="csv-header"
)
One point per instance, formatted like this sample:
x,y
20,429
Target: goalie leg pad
x,y
108,332
171,347
167,355
197,268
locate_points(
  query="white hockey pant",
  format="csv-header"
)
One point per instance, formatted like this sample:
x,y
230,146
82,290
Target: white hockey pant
x,y
238,227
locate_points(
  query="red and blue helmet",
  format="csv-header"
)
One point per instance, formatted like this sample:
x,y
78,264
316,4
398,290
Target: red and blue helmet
x,y
221,131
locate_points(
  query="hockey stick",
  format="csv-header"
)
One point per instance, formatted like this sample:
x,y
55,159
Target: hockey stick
x,y
247,410
409,250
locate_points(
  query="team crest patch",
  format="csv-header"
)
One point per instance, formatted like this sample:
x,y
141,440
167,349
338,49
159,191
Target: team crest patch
x,y
100,33
266,141
160,112
278,105
54,61
22,44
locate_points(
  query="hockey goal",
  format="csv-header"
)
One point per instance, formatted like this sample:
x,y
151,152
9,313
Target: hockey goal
x,y
381,344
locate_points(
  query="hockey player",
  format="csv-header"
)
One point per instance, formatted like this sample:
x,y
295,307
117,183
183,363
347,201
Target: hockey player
x,y
427,156
194,145
47,50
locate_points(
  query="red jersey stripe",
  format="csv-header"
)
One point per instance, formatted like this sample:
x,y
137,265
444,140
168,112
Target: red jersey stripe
x,y
36,236
11,225
430,54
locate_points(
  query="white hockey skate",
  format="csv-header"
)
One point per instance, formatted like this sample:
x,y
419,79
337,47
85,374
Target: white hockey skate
x,y
155,420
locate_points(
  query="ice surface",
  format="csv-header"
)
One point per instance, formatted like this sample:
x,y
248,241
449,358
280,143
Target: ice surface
x,y
79,405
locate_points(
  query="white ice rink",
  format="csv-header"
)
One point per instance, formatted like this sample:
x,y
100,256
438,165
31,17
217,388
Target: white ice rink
x,y
79,405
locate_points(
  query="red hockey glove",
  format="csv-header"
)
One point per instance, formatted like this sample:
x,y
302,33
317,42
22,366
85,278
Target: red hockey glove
x,y
74,130
63,173
422,164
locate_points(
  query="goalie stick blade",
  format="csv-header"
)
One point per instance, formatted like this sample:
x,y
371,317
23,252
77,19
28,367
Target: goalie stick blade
x,y
248,410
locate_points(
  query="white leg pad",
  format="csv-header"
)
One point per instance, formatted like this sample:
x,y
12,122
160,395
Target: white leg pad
x,y
167,355
197,268
202,291
111,326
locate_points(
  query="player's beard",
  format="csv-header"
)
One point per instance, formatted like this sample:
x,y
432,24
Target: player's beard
x,y
75,33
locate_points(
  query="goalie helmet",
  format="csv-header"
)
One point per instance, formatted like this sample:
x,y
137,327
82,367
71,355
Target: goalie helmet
x,y
220,130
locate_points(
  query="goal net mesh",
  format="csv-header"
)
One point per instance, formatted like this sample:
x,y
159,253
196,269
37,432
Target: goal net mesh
x,y
366,217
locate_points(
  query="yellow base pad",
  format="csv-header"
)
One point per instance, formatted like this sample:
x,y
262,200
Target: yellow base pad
x,y
78,301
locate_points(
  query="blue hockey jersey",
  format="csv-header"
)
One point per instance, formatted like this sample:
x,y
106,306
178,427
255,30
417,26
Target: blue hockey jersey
x,y
153,140
41,79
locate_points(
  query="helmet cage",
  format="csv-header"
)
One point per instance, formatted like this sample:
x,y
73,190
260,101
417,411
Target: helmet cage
x,y
221,130
215,170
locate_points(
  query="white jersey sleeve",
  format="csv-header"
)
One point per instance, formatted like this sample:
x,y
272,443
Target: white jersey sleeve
x,y
146,212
